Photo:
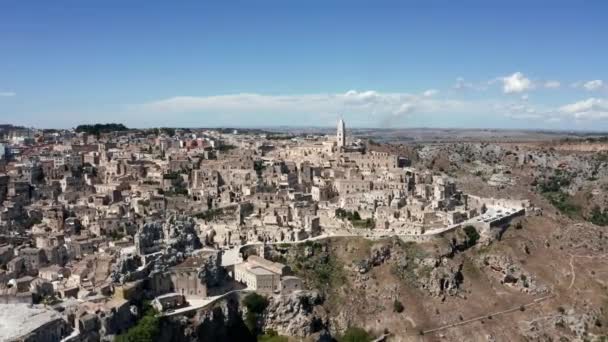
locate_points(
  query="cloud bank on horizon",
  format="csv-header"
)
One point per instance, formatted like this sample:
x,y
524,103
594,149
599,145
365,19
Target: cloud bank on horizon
x,y
500,102
369,108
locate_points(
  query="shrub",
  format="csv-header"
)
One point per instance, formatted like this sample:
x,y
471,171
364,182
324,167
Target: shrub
x,y
472,235
599,217
354,334
397,306
255,303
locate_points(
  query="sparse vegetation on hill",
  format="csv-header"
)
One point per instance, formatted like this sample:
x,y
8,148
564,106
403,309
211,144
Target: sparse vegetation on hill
x,y
552,188
599,216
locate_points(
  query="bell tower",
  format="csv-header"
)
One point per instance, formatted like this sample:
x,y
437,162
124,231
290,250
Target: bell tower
x,y
341,136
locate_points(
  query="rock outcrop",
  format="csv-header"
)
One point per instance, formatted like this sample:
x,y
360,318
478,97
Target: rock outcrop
x,y
299,314
509,273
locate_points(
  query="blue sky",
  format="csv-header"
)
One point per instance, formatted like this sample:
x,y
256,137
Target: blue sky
x,y
498,64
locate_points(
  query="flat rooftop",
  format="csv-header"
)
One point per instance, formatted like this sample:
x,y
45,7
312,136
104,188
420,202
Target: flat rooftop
x,y
17,320
257,270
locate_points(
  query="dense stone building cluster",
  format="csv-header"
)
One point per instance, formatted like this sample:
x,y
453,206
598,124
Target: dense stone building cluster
x,y
93,223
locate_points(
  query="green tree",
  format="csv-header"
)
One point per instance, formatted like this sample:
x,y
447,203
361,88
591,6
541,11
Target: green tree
x,y
255,304
146,330
472,235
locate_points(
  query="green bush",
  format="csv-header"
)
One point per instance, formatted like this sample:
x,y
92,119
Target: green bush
x,y
472,235
146,330
355,218
354,334
255,303
599,217
397,306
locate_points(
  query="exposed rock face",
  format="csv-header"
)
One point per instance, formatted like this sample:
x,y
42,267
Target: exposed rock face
x,y
445,279
122,269
148,236
299,315
378,255
505,270
180,234
116,321
212,272
439,275
577,324
177,234
222,322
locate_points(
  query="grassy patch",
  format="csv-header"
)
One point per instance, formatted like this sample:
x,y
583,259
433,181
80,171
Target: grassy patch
x,y
272,336
354,334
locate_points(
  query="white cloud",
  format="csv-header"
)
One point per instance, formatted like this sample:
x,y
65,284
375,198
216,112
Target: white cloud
x,y
405,108
580,106
552,84
7,93
554,120
430,92
462,84
516,83
520,111
525,97
593,85
589,109
351,101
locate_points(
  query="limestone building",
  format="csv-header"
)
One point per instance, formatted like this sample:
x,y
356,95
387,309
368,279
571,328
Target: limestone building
x,y
260,274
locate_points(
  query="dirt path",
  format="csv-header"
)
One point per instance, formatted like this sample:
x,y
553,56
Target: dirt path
x,y
572,256
494,314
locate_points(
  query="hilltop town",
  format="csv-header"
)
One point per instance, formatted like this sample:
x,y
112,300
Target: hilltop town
x,y
104,227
